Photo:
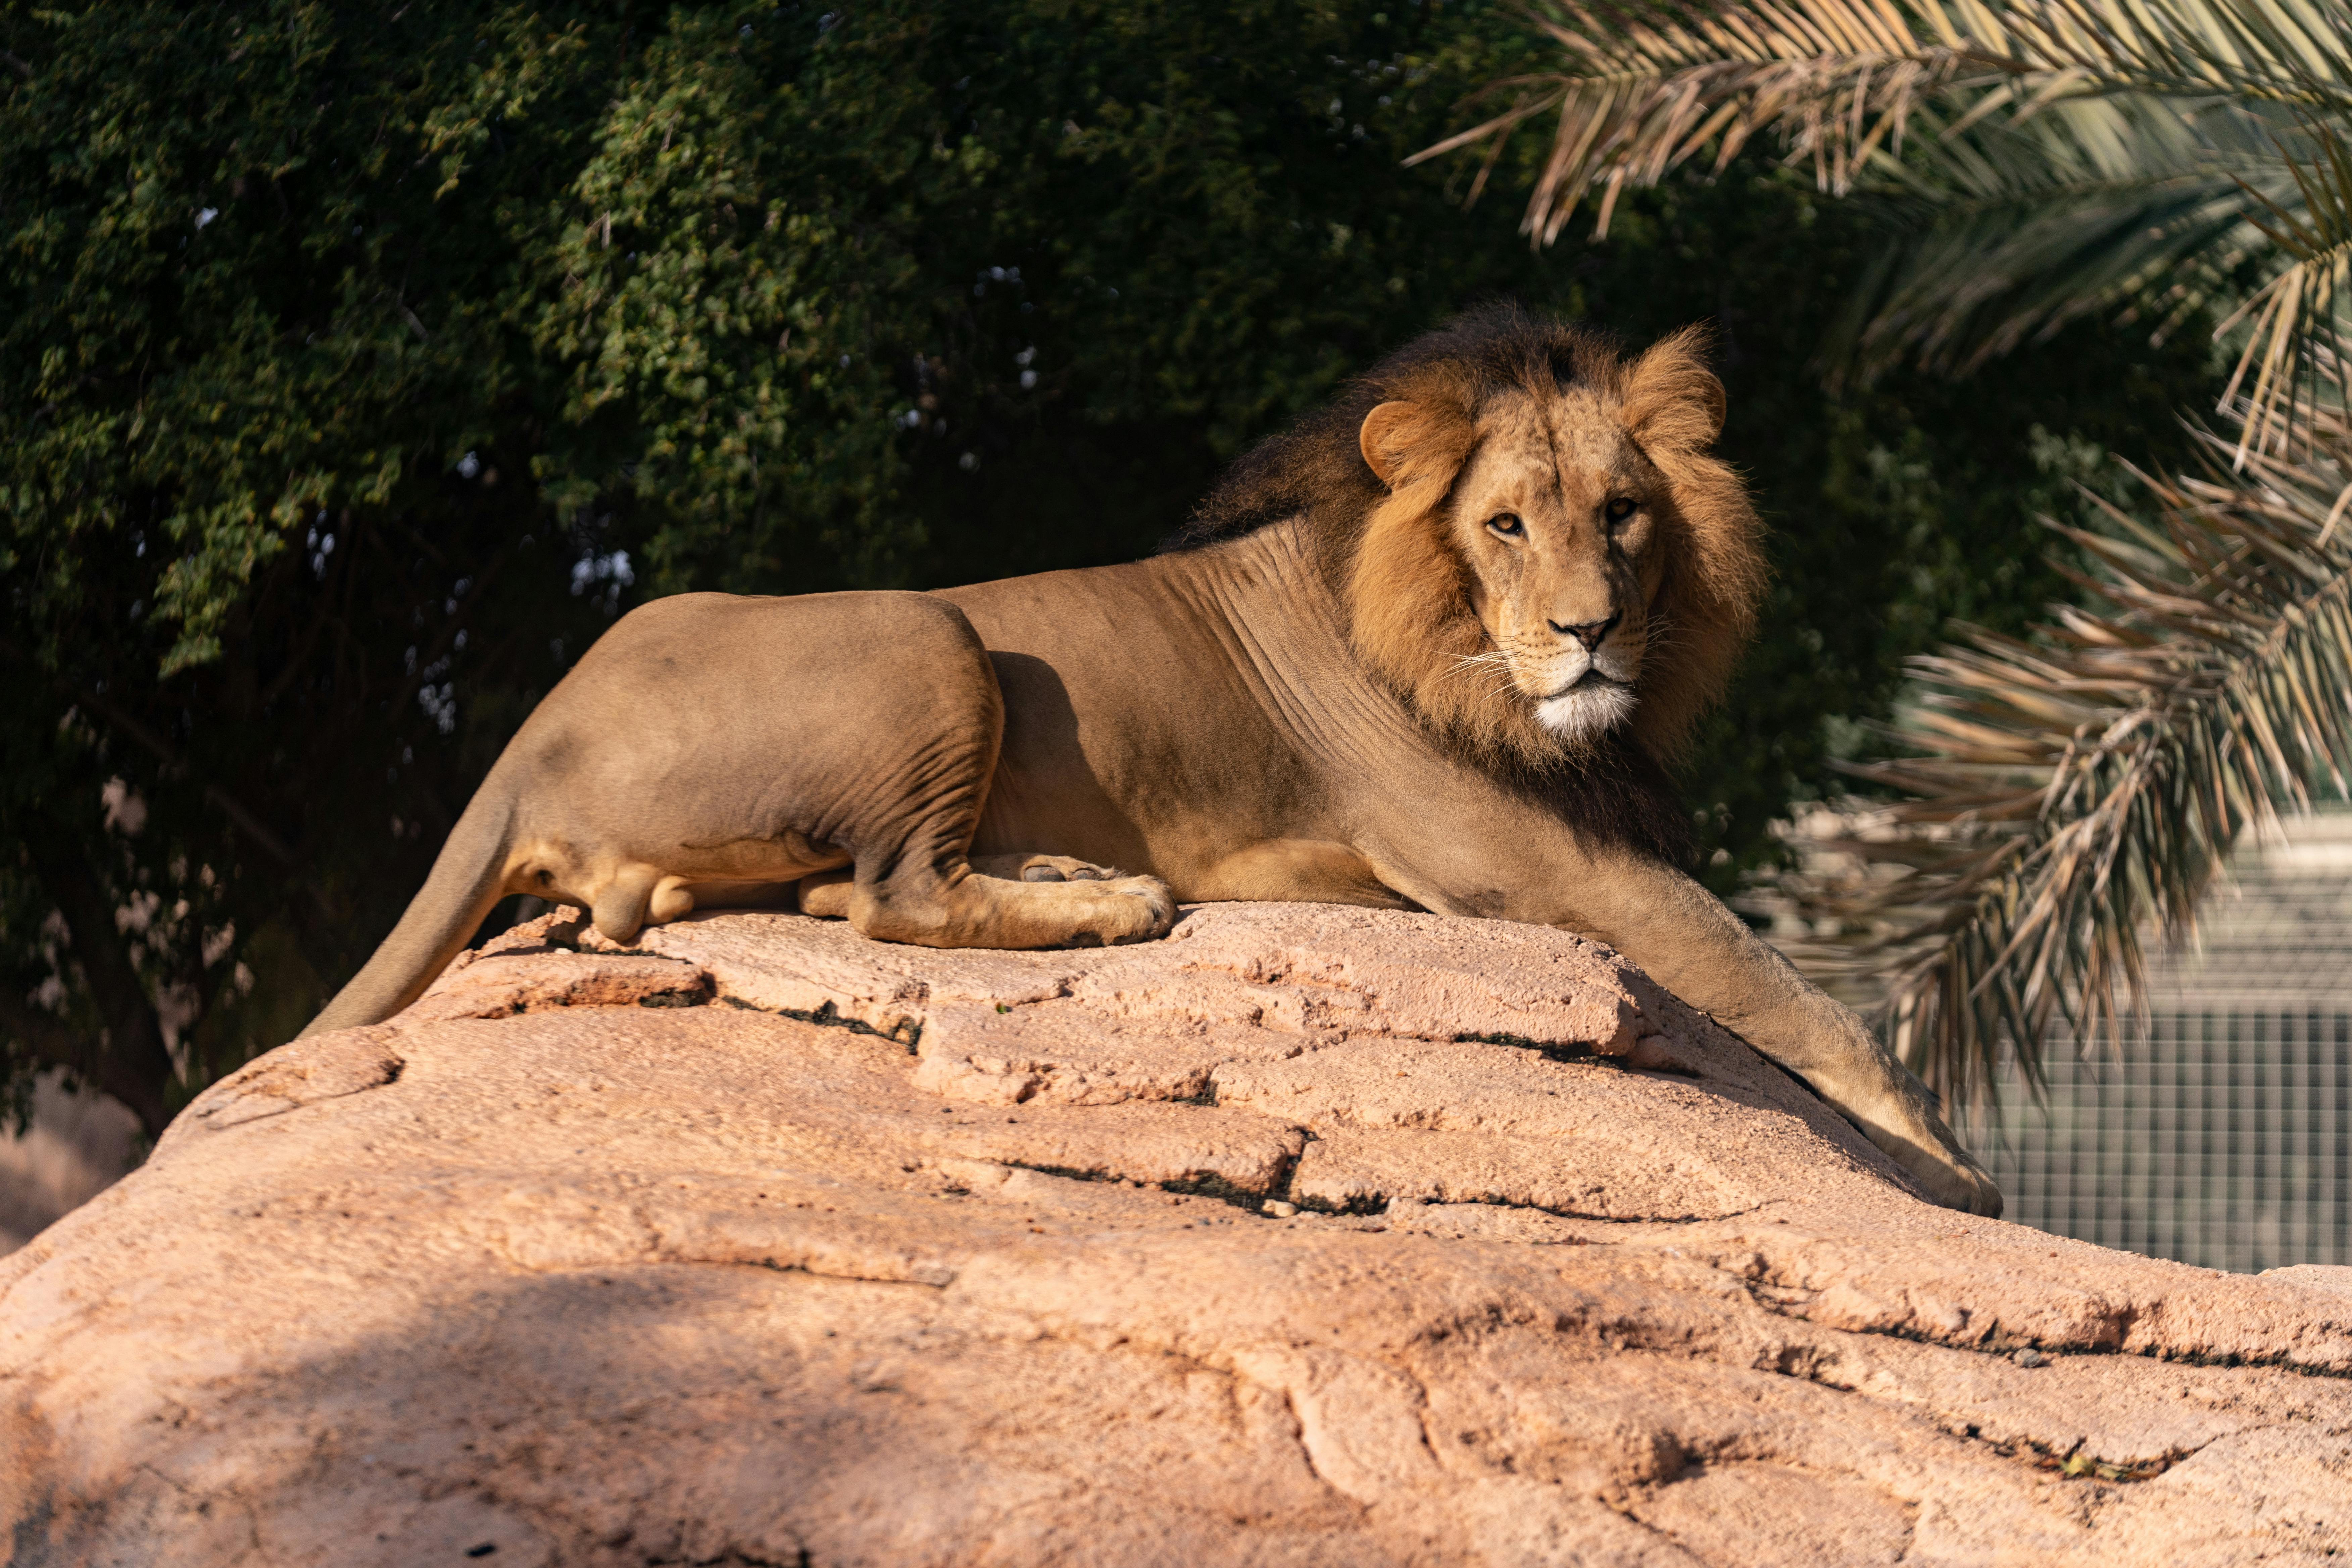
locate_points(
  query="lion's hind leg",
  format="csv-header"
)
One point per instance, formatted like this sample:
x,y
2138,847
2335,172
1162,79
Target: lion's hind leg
x,y
977,909
1092,884
637,895
899,788
1001,900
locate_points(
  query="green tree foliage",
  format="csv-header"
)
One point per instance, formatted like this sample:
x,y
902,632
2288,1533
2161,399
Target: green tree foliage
x,y
357,364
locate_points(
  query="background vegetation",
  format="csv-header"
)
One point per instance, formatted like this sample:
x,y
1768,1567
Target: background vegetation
x,y
2059,798
357,364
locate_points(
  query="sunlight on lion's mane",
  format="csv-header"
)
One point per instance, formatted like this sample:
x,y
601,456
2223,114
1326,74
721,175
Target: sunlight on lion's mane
x,y
1405,587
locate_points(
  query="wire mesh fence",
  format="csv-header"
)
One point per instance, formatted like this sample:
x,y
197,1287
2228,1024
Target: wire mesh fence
x,y
2223,1137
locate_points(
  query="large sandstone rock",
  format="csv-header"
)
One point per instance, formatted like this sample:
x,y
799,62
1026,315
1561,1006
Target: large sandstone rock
x,y
1308,1235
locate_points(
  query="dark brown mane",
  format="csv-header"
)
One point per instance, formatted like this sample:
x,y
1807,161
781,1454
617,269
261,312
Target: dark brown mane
x,y
1389,552
1317,469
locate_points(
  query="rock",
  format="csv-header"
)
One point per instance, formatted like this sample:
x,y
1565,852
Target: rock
x,y
1308,1235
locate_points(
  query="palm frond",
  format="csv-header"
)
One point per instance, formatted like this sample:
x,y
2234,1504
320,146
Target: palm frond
x,y
2017,228
2076,154
2074,792
2299,315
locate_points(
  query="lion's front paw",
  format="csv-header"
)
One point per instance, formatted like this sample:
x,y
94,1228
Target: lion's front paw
x,y
1952,1177
1902,1123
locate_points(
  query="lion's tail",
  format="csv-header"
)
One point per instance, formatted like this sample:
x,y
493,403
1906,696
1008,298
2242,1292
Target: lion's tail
x,y
468,880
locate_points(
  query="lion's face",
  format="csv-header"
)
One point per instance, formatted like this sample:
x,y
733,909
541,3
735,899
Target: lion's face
x,y
1555,517
1559,554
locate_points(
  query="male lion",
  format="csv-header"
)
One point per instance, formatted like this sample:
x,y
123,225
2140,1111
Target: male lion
x,y
1427,650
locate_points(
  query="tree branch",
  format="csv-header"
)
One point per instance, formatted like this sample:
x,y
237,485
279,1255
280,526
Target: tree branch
x,y
114,713
122,718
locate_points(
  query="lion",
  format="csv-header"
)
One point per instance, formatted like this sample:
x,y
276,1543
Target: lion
x,y
1433,649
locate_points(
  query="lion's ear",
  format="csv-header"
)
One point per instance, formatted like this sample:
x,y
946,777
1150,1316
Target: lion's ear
x,y
1407,441
1672,401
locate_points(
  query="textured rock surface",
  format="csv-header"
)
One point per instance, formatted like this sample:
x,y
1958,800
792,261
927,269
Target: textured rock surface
x,y
1309,1236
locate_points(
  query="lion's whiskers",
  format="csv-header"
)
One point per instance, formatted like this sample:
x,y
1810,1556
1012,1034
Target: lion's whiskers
x,y
1495,679
1491,658
1494,666
1494,674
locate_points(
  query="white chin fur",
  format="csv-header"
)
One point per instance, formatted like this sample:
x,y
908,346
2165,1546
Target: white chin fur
x,y
1588,713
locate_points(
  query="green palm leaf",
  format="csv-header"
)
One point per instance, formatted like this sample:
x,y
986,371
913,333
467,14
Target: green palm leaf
x,y
2015,230
2063,155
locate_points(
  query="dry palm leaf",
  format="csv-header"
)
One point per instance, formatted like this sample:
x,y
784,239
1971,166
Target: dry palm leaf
x,y
2074,790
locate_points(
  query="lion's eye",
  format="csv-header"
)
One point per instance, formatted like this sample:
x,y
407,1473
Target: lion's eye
x,y
1508,524
1620,509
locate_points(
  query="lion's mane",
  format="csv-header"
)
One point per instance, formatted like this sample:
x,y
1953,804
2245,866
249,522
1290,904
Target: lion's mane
x,y
1392,561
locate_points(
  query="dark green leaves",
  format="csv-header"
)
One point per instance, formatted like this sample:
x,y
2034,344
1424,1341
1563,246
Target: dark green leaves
x,y
505,318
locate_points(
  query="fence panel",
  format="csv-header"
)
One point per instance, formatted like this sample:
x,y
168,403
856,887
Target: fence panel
x,y
2220,1140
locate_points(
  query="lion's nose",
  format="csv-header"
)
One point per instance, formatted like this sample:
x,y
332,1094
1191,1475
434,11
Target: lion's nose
x,y
1589,633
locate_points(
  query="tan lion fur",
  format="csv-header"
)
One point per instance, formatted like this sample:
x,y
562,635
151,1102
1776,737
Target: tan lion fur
x,y
1424,652
1409,612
